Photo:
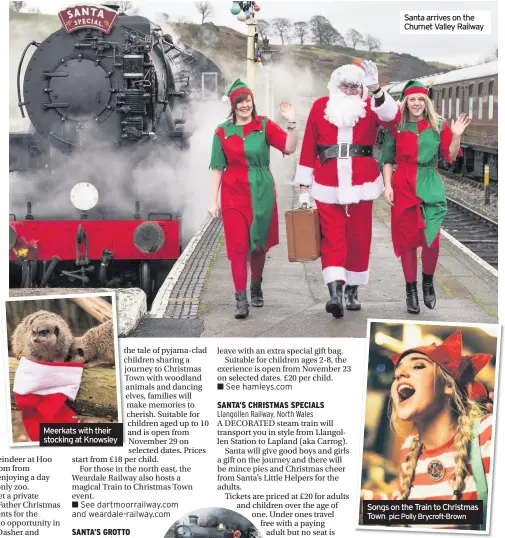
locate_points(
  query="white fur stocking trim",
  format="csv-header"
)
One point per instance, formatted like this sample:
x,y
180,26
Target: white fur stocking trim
x,y
35,378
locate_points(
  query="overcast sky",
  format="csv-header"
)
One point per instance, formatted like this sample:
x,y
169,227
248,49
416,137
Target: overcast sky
x,y
377,17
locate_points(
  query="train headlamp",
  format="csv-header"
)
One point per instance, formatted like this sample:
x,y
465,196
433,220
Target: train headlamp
x,y
84,196
149,237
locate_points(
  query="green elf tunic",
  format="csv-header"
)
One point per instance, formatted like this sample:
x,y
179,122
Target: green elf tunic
x,y
247,185
419,195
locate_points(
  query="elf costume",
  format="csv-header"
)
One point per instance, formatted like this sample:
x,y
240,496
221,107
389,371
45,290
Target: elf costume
x,y
434,468
41,390
248,197
419,195
336,161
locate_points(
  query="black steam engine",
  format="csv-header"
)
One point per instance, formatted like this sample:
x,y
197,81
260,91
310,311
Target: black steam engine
x,y
193,529
104,87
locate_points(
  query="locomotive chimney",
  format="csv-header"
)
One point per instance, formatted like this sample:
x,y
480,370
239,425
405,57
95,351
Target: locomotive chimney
x,y
193,520
113,5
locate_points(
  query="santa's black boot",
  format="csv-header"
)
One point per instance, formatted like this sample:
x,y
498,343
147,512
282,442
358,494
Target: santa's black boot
x,y
334,306
412,299
242,307
351,298
429,297
256,294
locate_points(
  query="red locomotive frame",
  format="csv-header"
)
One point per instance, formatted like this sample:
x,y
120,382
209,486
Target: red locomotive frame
x,y
115,235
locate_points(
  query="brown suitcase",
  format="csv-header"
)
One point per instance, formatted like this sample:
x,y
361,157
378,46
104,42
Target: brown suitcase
x,y
304,234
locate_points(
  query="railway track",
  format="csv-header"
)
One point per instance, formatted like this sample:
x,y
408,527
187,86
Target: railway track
x,y
475,231
475,183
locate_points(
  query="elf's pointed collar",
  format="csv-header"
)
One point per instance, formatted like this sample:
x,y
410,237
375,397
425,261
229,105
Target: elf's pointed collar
x,y
243,130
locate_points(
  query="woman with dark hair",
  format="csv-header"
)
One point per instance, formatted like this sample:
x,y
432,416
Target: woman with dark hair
x,y
240,165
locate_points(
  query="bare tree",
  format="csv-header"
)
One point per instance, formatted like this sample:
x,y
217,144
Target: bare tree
x,y
16,6
372,43
128,7
323,32
281,27
264,29
354,38
205,10
301,31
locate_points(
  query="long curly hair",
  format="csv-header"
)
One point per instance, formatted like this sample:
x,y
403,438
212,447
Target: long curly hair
x,y
239,99
465,412
429,112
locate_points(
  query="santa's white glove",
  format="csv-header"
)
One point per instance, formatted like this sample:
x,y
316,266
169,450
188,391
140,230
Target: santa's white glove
x,y
371,74
304,199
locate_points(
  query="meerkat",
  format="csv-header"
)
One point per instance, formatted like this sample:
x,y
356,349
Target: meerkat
x,y
95,347
42,336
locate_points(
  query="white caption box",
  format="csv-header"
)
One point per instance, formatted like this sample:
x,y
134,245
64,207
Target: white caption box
x,y
445,22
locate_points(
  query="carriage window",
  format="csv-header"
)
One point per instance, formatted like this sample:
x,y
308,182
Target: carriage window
x,y
442,110
449,105
491,100
480,100
457,102
470,101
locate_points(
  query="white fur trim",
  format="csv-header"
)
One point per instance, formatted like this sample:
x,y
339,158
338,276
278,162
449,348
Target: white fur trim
x,y
347,73
388,110
304,175
344,166
225,99
349,194
35,378
330,274
355,278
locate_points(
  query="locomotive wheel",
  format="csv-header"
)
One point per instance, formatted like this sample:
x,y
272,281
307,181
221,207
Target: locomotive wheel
x,y
146,282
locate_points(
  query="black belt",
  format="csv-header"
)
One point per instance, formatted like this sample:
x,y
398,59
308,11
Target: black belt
x,y
343,151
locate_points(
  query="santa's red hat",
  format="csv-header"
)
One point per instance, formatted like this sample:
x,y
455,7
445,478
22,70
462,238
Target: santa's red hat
x,y
449,356
41,390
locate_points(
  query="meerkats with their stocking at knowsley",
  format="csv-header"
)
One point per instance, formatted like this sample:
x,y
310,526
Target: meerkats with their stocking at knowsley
x,y
42,336
95,347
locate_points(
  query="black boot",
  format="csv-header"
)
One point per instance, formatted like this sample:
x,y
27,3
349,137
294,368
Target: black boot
x,y
351,298
242,307
256,294
334,305
412,300
429,297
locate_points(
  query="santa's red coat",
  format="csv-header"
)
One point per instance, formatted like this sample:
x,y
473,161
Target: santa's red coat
x,y
344,180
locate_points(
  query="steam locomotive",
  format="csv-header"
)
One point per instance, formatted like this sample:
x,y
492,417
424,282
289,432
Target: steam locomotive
x,y
103,94
192,529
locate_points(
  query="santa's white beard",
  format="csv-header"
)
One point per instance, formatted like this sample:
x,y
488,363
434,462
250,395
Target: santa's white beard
x,y
344,110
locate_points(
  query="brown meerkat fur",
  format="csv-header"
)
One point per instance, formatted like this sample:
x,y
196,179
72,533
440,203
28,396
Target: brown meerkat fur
x,y
95,347
42,336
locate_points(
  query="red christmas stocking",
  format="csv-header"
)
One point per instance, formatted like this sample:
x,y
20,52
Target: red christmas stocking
x,y
41,390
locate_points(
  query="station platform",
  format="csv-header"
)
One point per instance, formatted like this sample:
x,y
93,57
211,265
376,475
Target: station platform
x,y
199,299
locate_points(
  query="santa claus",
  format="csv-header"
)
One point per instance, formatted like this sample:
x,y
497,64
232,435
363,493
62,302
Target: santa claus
x,y
338,168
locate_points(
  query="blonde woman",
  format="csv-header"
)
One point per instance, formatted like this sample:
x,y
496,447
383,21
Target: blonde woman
x,y
447,457
415,190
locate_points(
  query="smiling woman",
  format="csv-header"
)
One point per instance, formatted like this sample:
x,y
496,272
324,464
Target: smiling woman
x,y
434,389
240,165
